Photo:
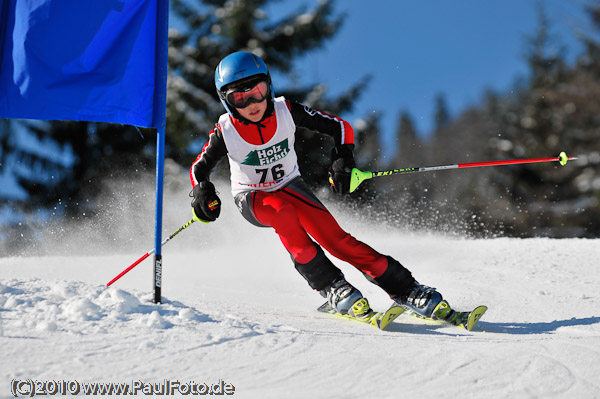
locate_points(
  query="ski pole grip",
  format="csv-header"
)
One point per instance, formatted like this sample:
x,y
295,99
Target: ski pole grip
x,y
357,177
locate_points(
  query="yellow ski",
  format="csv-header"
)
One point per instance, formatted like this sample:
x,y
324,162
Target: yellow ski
x,y
365,314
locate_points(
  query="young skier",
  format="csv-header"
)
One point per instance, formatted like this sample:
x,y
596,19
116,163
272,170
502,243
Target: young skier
x,y
257,134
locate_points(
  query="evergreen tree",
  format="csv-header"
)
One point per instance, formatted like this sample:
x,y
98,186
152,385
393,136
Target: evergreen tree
x,y
205,32
590,59
547,116
409,145
441,115
410,153
211,29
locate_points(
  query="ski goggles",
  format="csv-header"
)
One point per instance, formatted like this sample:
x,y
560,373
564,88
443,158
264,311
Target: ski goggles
x,y
253,92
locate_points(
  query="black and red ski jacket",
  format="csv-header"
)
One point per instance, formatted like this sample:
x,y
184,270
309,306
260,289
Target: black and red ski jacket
x,y
261,132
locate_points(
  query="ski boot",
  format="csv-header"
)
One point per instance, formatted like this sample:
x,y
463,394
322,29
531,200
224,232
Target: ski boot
x,y
445,313
467,320
346,299
421,300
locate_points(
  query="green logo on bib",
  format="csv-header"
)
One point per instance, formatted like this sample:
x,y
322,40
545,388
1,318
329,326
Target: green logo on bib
x,y
268,155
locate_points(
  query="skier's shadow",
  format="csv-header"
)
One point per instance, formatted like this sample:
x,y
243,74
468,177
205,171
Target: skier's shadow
x,y
421,327
534,328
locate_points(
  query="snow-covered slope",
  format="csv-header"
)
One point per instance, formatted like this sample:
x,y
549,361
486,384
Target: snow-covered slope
x,y
235,310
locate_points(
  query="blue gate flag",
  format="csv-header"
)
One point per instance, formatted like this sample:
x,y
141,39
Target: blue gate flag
x,y
86,60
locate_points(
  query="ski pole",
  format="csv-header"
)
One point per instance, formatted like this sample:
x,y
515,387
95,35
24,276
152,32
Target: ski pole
x,y
357,176
147,254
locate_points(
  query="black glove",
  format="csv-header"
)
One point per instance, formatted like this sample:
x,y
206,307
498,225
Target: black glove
x,y
342,162
206,203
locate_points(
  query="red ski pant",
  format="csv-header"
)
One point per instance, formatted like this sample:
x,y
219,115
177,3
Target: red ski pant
x,y
297,215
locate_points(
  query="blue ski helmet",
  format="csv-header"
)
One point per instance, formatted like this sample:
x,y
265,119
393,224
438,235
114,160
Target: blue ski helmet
x,y
235,67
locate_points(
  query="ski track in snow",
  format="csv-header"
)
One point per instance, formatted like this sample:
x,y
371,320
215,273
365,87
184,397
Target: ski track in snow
x,y
251,321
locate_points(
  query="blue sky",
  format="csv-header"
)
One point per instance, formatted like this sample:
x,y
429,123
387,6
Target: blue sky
x,y
417,49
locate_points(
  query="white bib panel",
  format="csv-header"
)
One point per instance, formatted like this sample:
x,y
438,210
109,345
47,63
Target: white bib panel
x,y
266,167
